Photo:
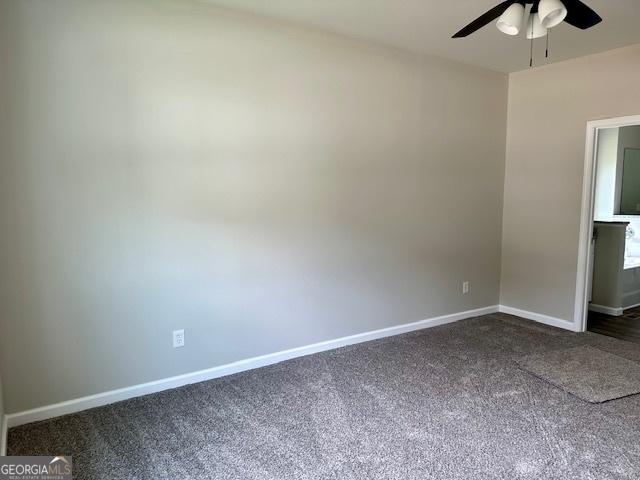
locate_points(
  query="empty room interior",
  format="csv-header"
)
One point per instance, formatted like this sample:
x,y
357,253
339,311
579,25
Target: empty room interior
x,y
301,239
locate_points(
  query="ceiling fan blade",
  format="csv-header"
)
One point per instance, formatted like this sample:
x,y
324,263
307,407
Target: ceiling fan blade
x,y
580,15
488,17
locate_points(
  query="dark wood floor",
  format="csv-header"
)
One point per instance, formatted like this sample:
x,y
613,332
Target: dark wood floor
x,y
625,327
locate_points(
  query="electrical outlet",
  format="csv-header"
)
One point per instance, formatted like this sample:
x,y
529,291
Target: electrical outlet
x,y
178,338
465,288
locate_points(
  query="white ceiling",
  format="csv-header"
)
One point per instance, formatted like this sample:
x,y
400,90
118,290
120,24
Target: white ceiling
x,y
426,26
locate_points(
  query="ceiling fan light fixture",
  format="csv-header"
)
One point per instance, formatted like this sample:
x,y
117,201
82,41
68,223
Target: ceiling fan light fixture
x,y
510,22
552,13
534,27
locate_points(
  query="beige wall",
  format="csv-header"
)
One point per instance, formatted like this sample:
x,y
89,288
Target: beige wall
x,y
548,111
171,165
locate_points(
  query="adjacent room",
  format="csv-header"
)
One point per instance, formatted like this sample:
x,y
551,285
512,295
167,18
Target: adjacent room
x,y
300,239
614,299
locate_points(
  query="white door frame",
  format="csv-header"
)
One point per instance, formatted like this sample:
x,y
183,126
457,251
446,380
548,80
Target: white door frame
x,y
586,215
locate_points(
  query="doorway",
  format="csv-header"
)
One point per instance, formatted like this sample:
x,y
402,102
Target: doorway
x,y
608,281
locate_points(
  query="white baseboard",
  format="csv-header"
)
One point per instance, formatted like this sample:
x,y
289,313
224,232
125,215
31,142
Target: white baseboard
x,y
100,399
3,435
538,317
634,305
615,312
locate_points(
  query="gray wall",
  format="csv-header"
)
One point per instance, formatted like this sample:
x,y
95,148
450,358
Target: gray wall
x,y
548,111
604,205
629,137
172,165
612,143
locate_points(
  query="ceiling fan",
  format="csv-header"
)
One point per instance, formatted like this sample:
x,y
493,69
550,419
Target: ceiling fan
x,y
545,14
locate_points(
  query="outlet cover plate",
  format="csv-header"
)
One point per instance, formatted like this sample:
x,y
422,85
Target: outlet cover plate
x,y
178,338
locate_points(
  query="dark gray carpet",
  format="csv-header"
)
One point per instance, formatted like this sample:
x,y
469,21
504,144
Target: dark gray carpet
x,y
444,403
586,372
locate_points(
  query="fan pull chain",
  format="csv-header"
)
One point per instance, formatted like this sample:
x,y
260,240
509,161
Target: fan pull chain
x,y
547,53
531,54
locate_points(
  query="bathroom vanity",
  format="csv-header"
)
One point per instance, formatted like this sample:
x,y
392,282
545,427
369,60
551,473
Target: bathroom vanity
x,y
616,267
